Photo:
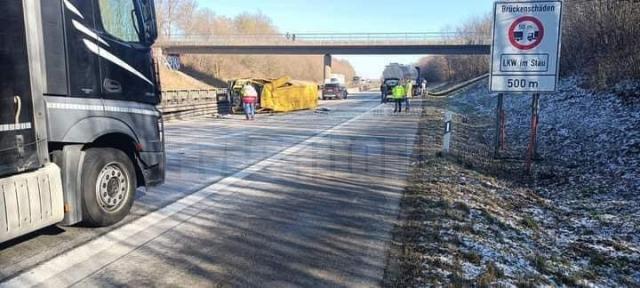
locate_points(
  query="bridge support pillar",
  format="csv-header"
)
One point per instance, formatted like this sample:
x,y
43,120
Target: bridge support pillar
x,y
327,66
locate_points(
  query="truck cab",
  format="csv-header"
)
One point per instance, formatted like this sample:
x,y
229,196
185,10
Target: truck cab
x,y
79,130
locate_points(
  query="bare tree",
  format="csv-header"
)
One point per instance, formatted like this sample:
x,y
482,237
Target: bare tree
x,y
600,41
174,15
476,30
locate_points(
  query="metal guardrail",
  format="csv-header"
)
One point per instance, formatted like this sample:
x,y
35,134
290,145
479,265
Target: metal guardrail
x,y
314,39
181,104
457,87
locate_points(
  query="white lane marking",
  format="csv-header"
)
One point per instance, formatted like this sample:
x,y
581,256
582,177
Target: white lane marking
x,y
88,32
73,8
82,107
15,127
114,59
81,262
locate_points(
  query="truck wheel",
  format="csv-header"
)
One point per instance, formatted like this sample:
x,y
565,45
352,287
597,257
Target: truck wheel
x,y
108,186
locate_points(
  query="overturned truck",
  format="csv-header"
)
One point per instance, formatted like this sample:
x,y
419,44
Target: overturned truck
x,y
277,95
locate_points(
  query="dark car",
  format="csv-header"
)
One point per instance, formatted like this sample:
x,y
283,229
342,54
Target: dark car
x,y
334,91
387,88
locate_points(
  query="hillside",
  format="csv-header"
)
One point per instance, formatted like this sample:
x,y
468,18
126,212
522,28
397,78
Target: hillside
x,y
176,80
227,67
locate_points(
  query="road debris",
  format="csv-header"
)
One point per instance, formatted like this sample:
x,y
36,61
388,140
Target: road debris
x,y
323,110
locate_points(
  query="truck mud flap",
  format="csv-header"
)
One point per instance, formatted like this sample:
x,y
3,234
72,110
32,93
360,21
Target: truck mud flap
x,y
30,201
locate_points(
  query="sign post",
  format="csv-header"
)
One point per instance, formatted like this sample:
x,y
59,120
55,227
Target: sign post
x,y
532,148
500,126
525,56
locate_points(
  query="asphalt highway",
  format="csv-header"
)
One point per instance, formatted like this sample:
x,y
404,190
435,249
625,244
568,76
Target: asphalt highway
x,y
304,199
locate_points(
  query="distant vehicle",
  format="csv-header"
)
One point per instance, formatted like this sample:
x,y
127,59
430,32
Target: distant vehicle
x,y
387,87
395,74
335,87
334,91
336,78
399,71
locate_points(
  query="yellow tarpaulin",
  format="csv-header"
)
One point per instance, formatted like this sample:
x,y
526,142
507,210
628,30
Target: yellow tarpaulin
x,y
284,95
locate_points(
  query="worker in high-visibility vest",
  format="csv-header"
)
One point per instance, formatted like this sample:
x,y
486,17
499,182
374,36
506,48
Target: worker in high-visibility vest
x,y
409,94
399,93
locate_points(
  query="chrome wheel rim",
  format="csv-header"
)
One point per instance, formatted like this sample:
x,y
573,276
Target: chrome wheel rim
x,y
112,187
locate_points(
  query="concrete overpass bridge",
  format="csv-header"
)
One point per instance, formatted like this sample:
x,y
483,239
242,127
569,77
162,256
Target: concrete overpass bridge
x,y
440,43
327,44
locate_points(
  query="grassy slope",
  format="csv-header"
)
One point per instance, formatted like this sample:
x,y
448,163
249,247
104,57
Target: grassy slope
x,y
463,227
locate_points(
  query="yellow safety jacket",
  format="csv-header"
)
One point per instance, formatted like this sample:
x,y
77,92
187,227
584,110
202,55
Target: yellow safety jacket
x,y
409,90
399,92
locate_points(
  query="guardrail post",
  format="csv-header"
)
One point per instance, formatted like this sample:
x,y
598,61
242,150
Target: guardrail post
x,y
448,122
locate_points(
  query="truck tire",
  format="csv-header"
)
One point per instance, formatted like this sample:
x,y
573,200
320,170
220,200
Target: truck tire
x,y
108,186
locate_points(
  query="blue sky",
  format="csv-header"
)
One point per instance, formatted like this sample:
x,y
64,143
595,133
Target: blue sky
x,y
357,16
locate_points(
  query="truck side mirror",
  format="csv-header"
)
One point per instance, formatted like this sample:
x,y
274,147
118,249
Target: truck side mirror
x,y
150,28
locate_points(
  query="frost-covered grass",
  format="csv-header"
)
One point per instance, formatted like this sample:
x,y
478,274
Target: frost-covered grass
x,y
575,223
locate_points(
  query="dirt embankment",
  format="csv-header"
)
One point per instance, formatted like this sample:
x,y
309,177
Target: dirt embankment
x,y
471,220
176,80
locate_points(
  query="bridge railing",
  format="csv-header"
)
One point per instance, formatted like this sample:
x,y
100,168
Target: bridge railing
x,y
302,39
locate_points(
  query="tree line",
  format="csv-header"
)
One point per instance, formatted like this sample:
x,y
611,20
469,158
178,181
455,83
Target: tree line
x,y
476,30
600,40
185,17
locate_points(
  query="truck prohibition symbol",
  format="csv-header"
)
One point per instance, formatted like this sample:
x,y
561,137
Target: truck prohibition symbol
x,y
79,131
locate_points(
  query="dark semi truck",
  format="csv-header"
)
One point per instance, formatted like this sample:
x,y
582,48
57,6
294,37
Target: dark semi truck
x,y
79,128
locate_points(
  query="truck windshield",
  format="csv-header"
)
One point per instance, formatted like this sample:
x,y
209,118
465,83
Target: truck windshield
x,y
391,82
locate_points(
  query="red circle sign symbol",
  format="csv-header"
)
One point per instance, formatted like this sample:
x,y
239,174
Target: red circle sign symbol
x,y
526,33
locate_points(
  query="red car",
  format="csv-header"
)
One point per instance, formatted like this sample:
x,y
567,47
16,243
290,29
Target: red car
x,y
334,91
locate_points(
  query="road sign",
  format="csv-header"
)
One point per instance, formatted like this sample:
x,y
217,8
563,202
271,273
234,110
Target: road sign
x,y
526,46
